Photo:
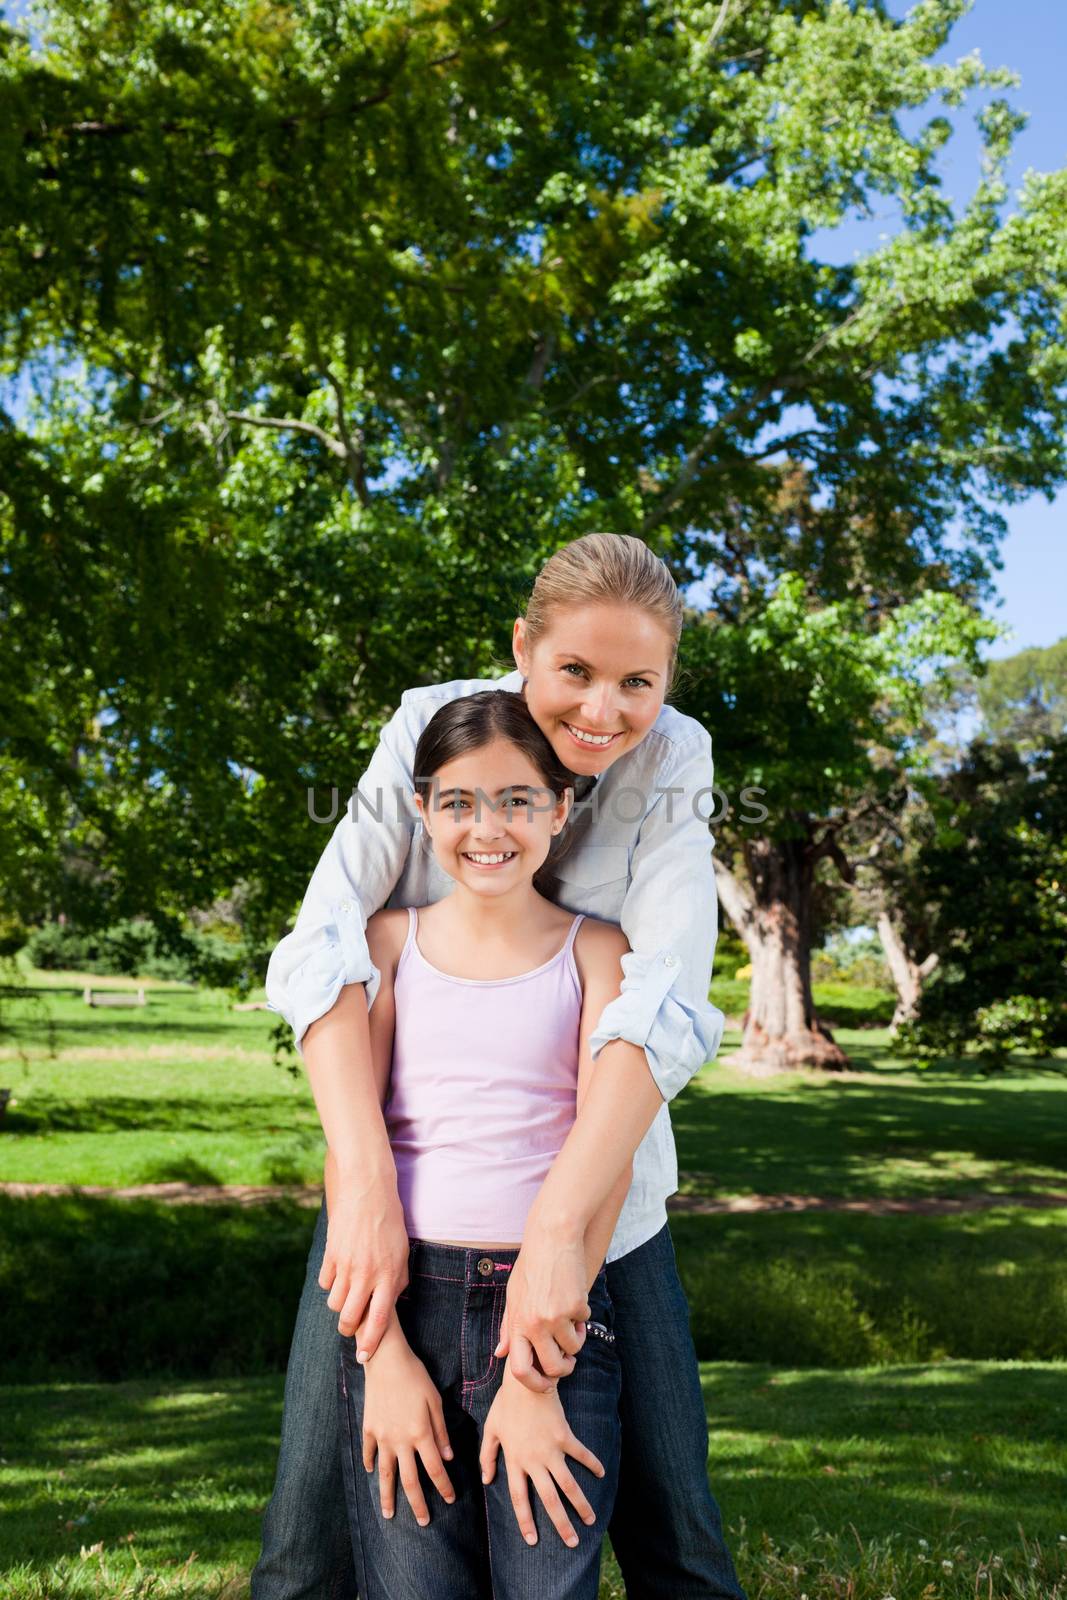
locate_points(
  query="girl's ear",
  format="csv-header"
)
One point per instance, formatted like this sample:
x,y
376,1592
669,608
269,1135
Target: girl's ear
x,y
420,807
563,810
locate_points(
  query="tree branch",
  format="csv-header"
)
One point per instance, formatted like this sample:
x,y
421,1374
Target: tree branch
x,y
291,425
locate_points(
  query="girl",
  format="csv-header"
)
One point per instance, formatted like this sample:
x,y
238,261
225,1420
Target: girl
x,y
595,652
480,1042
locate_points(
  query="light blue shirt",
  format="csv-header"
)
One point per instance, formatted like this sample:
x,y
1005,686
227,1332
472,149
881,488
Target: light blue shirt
x,y
638,854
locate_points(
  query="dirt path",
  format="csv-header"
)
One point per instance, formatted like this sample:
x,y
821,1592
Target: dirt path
x,y
255,1194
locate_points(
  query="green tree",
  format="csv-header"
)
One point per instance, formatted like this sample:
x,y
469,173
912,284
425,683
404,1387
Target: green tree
x,y
990,865
1023,698
826,715
375,304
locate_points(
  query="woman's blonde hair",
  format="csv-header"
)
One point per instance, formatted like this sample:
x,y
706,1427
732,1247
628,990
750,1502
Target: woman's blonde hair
x,y
606,567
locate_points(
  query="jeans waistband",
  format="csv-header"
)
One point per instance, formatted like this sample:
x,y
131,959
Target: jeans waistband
x,y
460,1263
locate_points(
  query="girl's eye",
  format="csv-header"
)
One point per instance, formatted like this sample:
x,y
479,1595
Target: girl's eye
x,y
518,800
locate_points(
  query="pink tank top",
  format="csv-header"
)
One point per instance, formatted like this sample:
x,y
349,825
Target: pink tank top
x,y
484,1082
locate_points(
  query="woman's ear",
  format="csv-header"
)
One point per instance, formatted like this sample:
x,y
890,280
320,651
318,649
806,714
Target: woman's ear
x,y
518,646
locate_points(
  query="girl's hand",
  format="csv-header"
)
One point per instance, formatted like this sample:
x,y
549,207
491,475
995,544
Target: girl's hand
x,y
546,1309
403,1419
536,1439
365,1264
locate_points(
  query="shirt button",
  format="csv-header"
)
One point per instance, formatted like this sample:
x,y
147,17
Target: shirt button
x,y
670,960
346,905
485,1266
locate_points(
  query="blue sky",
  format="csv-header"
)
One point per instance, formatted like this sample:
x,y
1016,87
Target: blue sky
x,y
1029,36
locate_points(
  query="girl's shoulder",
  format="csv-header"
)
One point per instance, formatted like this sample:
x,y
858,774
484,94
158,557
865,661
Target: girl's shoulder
x,y
387,932
599,948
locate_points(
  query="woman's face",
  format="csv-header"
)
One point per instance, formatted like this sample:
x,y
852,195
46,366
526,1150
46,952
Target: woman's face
x,y
595,680
491,817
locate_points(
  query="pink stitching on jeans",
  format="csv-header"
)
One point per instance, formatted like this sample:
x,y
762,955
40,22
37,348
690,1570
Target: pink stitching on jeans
x,y
487,1375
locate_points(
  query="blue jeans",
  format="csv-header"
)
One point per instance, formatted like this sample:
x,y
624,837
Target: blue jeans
x,y
666,1528
450,1314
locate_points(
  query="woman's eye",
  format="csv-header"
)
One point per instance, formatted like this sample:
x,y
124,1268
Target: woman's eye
x,y
641,683
572,666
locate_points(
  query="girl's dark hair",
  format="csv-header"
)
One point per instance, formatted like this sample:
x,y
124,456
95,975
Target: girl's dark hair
x,y
475,720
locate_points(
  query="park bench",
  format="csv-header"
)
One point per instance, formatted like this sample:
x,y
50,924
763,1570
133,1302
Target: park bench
x,y
113,997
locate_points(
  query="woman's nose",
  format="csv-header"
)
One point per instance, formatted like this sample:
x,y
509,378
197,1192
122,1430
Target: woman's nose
x,y
598,707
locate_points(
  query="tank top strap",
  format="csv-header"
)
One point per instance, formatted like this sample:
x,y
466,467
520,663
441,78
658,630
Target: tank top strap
x,y
413,924
575,925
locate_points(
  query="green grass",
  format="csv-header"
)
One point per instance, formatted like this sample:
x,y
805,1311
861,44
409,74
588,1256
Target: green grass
x,y
841,1476
186,1089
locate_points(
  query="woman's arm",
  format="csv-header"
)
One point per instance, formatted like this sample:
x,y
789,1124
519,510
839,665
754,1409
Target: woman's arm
x,y
655,1032
541,1282
348,1055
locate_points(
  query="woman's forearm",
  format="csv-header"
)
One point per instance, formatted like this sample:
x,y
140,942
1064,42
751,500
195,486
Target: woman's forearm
x,y
602,1226
617,1112
337,1055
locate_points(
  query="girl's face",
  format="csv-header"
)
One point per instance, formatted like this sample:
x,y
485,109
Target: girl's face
x,y
492,817
595,680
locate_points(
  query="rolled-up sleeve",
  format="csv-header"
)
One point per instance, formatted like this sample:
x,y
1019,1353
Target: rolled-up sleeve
x,y
670,918
356,873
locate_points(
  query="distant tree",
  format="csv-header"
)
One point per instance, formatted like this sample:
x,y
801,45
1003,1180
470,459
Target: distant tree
x,y
1023,698
990,866
825,714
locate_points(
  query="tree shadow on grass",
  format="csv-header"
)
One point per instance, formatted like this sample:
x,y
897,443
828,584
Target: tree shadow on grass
x,y
153,1113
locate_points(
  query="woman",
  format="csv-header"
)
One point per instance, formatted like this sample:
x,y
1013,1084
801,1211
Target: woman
x,y
596,653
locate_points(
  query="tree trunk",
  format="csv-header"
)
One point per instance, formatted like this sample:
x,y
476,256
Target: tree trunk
x,y
773,916
908,974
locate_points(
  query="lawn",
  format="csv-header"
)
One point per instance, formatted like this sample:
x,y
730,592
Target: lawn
x,y
871,1481
186,1089
856,1455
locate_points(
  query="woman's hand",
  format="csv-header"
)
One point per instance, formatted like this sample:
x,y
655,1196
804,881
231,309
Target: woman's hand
x,y
365,1264
536,1439
403,1419
546,1309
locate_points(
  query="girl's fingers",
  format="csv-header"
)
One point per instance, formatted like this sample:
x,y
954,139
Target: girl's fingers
x,y
370,1450
487,1456
435,1469
569,1486
327,1272
409,1477
387,1482
437,1422
574,1447
520,1504
546,1489
503,1344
